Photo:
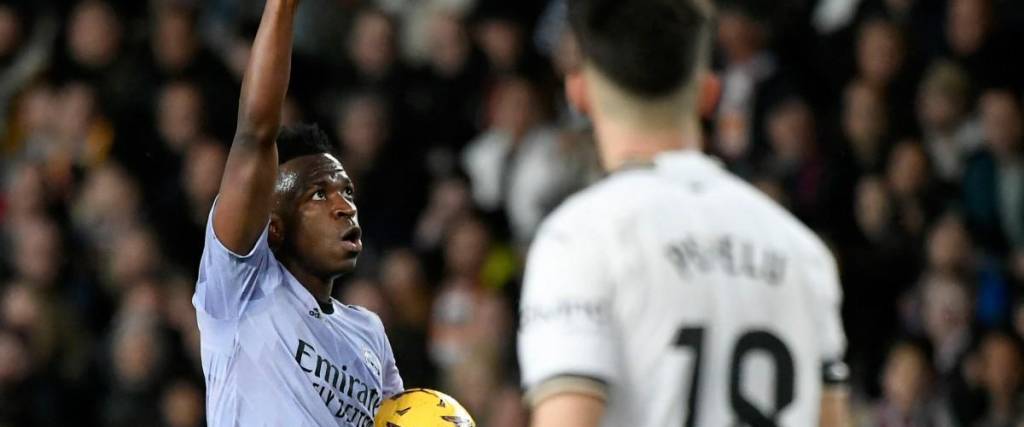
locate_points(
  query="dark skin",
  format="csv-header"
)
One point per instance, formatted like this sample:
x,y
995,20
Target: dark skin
x,y
314,227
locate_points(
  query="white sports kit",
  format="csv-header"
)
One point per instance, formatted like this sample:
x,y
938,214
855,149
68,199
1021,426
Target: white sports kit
x,y
693,298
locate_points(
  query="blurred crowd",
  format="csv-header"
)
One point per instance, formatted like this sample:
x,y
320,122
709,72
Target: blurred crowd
x,y
894,128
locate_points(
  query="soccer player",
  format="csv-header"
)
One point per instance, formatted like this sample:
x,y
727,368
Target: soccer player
x,y
276,349
672,293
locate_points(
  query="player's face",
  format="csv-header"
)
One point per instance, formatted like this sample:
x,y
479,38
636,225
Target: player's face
x,y
320,220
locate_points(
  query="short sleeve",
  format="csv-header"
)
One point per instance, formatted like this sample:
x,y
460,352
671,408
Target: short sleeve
x,y
228,282
566,321
823,279
392,378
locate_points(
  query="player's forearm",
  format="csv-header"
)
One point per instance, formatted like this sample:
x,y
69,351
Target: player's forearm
x,y
568,410
246,189
835,410
266,80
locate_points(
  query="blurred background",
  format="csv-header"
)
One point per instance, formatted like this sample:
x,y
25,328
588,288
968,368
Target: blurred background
x,y
891,127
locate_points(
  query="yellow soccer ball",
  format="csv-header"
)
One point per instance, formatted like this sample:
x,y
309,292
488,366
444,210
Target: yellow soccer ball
x,y
420,407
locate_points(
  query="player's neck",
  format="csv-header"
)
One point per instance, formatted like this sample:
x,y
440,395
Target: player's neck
x,y
319,287
622,143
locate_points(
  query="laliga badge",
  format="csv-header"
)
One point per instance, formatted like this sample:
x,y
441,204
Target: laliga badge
x,y
372,362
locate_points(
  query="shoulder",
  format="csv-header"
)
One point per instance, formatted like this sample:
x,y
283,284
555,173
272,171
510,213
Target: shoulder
x,y
980,159
360,314
590,208
361,318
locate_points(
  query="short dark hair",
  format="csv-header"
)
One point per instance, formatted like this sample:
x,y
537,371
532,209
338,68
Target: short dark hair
x,y
303,140
648,47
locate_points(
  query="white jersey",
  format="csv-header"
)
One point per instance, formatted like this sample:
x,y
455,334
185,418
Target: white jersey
x,y
271,357
693,298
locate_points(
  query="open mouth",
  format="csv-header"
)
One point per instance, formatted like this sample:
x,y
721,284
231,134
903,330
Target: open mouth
x,y
353,237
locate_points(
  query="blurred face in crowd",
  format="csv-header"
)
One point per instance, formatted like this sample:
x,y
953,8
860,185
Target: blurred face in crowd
x,y
362,127
501,41
946,309
142,297
467,248
21,309
135,256
905,378
204,166
77,110
1001,361
879,53
791,130
372,44
36,108
182,405
26,191
94,34
967,25
37,252
404,284
937,111
873,209
864,120
451,198
108,201
449,43
739,36
25,310
137,351
908,169
10,30
175,43
949,246
941,99
179,115
14,359
514,109
1001,119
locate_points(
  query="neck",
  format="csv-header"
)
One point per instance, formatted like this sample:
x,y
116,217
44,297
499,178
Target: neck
x,y
622,143
320,287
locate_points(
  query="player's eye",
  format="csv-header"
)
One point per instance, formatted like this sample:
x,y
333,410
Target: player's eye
x,y
320,195
349,192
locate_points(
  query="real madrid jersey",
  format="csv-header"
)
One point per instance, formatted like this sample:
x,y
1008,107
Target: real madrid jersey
x,y
272,357
687,296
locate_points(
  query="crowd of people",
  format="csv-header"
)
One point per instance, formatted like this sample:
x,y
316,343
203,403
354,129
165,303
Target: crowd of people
x,y
893,128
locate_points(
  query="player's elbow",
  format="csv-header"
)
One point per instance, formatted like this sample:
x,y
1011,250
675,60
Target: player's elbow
x,y
255,132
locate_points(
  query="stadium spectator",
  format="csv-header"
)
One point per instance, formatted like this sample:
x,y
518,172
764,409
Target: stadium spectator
x,y
942,110
894,130
992,188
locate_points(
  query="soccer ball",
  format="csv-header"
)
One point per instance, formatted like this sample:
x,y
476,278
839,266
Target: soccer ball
x,y
420,407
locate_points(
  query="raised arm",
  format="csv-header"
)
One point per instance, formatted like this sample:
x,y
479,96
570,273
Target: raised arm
x,y
246,190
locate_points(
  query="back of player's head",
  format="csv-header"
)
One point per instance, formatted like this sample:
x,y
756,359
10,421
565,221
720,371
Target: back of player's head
x,y
648,48
302,140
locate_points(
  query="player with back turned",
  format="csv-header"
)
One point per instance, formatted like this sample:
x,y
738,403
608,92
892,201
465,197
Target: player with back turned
x,y
672,293
277,350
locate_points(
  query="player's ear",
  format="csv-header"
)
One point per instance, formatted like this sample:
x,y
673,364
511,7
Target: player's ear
x,y
275,236
576,91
